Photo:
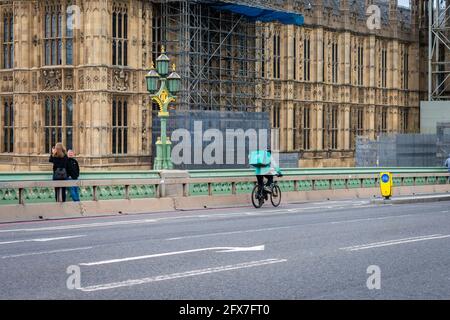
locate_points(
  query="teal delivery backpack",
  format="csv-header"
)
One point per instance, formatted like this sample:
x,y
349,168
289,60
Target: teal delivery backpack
x,y
259,158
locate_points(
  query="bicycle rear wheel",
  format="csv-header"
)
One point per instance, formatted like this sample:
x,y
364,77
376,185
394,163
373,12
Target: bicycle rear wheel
x,y
275,196
257,200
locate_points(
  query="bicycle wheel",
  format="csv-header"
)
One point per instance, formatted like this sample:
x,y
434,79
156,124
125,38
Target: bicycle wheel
x,y
257,200
275,196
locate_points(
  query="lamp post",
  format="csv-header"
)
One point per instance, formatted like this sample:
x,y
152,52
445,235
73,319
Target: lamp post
x,y
169,86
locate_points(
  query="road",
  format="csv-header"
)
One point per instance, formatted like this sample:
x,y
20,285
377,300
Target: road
x,y
316,250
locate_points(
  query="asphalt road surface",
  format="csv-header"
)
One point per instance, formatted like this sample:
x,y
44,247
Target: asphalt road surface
x,y
315,250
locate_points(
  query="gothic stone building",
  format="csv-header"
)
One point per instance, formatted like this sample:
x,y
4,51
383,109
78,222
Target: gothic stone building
x,y
323,83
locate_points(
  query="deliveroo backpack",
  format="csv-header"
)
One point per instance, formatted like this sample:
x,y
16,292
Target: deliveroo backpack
x,y
259,158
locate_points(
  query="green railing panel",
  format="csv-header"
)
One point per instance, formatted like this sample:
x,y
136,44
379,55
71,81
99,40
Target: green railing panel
x,y
305,185
198,189
39,195
321,184
397,182
221,188
370,183
353,183
442,180
110,192
86,193
287,186
244,187
9,196
409,181
420,181
142,191
338,184
431,180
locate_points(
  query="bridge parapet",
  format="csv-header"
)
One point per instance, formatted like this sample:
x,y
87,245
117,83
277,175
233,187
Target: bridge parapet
x,y
33,188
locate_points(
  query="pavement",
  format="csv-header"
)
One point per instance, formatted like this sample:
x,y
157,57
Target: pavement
x,y
416,198
312,250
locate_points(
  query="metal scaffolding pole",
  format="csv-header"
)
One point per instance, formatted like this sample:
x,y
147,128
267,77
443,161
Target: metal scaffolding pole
x,y
217,54
438,50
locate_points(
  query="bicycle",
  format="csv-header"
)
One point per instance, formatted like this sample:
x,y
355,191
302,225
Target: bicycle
x,y
260,196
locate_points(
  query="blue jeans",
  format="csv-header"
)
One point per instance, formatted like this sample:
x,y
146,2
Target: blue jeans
x,y
74,193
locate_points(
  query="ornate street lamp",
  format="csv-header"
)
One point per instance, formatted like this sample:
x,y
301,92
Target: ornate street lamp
x,y
174,81
163,96
152,79
162,63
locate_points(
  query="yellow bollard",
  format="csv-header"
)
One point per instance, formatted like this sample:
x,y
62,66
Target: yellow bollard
x,y
386,184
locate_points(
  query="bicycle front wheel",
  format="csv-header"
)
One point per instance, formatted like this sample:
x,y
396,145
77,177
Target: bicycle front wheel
x,y
275,196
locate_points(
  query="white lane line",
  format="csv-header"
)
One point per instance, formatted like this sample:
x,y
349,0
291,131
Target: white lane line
x,y
228,233
164,219
281,228
129,283
395,242
44,252
80,226
173,253
41,239
370,219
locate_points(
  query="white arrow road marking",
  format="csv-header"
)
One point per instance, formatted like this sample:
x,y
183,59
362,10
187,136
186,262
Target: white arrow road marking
x,y
217,249
42,239
395,242
129,283
44,252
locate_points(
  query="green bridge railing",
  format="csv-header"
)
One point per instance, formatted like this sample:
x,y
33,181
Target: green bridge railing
x,y
307,179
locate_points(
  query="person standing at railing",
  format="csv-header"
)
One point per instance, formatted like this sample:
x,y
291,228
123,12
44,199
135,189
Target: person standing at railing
x,y
73,174
447,164
60,164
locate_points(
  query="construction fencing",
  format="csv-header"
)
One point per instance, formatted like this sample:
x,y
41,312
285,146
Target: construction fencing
x,y
403,150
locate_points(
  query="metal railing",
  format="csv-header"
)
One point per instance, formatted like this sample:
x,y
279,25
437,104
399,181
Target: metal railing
x,y
316,182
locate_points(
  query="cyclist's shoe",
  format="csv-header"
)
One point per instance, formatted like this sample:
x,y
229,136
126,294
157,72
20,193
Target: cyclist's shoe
x,y
268,189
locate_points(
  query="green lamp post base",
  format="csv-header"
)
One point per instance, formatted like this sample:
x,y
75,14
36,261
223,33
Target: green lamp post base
x,y
163,159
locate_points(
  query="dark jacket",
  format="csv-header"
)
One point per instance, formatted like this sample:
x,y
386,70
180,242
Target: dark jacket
x,y
59,162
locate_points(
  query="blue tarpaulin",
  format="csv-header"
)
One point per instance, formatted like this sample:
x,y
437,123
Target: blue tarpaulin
x,y
261,14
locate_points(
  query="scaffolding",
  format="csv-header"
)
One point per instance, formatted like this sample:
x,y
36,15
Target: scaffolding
x,y
217,52
438,50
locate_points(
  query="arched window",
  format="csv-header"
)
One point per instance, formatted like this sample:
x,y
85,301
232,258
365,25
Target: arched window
x,y
119,125
8,125
58,122
119,35
8,40
58,40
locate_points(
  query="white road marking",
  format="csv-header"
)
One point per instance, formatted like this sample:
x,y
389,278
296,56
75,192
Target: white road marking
x,y
41,239
228,233
80,226
395,242
281,228
165,254
44,252
370,219
217,249
165,219
129,283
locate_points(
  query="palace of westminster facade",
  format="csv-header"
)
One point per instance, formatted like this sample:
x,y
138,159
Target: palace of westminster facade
x,y
325,82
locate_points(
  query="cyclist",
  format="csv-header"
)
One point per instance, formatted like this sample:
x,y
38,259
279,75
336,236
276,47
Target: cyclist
x,y
267,171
